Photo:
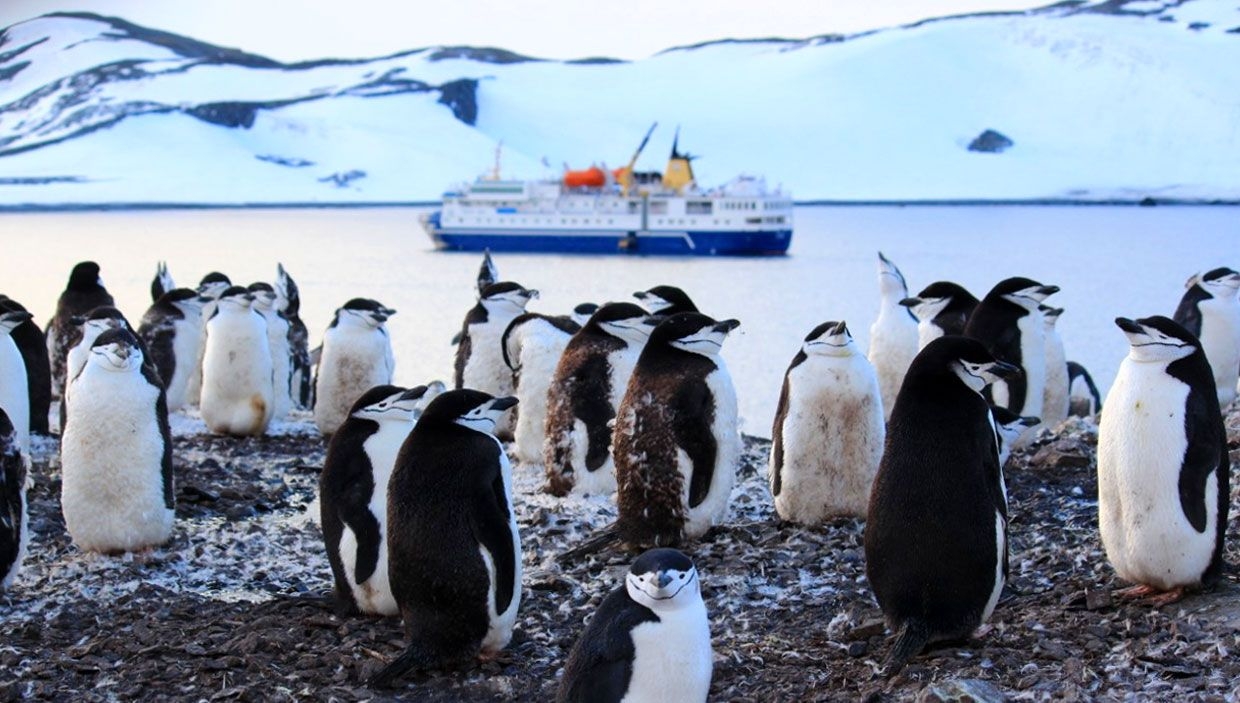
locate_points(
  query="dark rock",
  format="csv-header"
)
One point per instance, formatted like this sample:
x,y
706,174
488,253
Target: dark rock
x,y
461,96
990,142
228,114
1097,599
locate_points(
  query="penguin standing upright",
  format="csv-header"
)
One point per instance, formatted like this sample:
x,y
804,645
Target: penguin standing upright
x,y
1210,311
32,344
116,451
277,341
162,283
14,387
288,302
941,308
479,356
666,300
649,640
893,336
1084,399
936,534
89,327
454,553
532,347
589,382
84,293
14,527
353,495
1008,430
211,287
357,355
172,330
237,389
1164,474
676,442
829,430
1007,321
1055,401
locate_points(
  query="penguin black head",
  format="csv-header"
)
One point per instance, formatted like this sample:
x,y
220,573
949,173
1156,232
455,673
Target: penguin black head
x,y
213,284
628,321
829,339
666,300
11,319
506,296
395,403
101,319
583,312
1010,425
264,295
182,298
1157,339
85,277
116,350
1221,282
964,358
935,298
1024,292
693,332
889,275
363,311
236,297
1050,315
663,579
468,408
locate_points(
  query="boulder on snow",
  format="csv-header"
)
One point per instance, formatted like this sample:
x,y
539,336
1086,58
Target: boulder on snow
x,y
990,142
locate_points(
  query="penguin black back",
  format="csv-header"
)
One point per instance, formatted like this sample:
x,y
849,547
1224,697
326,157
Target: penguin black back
x,y
32,344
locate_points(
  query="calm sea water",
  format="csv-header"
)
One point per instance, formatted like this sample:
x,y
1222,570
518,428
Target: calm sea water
x,y
1108,261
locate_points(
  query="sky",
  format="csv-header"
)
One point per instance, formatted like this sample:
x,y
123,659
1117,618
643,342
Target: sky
x,y
557,29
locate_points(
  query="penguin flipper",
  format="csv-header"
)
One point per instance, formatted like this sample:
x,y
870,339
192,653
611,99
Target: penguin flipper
x,y
589,395
1201,457
910,640
355,512
491,529
777,440
600,666
696,438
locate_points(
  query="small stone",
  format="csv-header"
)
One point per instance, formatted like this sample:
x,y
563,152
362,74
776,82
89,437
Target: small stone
x,y
961,691
1097,599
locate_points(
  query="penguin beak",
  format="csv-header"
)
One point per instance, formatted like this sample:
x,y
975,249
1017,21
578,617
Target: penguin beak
x,y
530,293
664,579
910,302
502,404
1004,370
840,328
1048,290
1129,326
726,326
1028,421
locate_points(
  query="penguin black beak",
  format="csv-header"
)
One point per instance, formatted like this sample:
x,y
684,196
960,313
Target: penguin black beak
x,y
413,393
1029,421
664,579
1129,326
1048,290
531,293
653,320
726,326
18,317
77,320
503,403
841,327
640,295
1004,370
910,302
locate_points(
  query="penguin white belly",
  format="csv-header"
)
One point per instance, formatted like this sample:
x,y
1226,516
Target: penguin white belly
x,y
714,508
1033,363
499,625
832,439
353,361
1220,340
187,338
14,391
601,481
485,369
927,332
672,658
193,387
281,361
1141,445
112,492
237,390
374,595
1000,550
1055,396
538,360
621,362
893,344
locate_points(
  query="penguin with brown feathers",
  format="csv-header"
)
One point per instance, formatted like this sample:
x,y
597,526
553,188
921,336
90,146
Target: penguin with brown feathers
x,y
84,293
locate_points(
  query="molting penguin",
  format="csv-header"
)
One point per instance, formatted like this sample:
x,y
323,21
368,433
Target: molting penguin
x,y
172,331
32,344
14,387
1083,394
238,395
116,451
829,430
84,293
288,303
1007,321
676,441
1210,311
479,356
353,494
454,554
162,283
277,340
211,287
14,527
1164,475
589,382
893,336
1055,402
1008,430
665,300
936,535
941,308
356,356
649,640
532,346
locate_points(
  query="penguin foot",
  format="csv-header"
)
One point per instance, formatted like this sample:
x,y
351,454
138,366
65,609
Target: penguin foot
x,y
1165,598
1136,592
1148,595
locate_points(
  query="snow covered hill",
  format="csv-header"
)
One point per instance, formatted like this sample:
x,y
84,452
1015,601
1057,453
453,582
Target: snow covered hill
x,y
1100,101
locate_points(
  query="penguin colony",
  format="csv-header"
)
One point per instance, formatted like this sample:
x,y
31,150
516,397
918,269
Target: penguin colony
x,y
417,492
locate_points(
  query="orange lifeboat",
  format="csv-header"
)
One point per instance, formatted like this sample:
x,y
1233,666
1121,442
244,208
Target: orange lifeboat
x,y
592,177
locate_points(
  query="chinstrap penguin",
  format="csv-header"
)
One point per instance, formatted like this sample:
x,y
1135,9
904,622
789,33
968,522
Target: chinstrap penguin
x,y
84,293
1083,394
454,553
936,534
1055,395
1210,311
1164,474
1009,323
479,356
288,303
665,300
162,283
116,452
14,524
893,336
353,494
90,326
265,299
676,441
585,392
32,344
532,346
941,308
211,287
1008,430
356,356
238,395
829,429
14,385
172,330
649,640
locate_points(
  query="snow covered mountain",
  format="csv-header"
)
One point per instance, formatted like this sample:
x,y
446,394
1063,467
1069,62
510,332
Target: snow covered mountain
x,y
1079,100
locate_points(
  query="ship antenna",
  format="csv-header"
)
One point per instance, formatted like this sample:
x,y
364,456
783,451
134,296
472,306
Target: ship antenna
x,y
499,149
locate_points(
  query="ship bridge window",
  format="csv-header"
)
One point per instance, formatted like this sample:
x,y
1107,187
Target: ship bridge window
x,y
775,220
658,207
633,207
697,207
753,220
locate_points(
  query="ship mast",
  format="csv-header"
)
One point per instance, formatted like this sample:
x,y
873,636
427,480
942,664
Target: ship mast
x,y
626,173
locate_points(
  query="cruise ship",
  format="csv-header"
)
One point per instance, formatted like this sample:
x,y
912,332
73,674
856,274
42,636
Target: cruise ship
x,y
597,211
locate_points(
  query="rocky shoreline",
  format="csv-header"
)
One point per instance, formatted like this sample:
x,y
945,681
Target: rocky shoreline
x,y
235,607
